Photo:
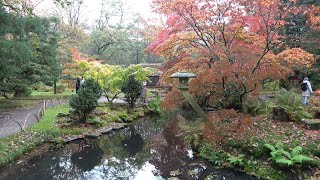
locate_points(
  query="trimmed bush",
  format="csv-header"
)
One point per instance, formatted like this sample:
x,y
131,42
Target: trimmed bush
x,y
132,90
86,100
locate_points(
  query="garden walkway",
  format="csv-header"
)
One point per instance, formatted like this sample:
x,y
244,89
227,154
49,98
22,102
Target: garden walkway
x,y
13,120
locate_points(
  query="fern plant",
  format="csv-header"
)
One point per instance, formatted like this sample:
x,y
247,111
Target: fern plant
x,y
215,157
236,160
283,157
291,103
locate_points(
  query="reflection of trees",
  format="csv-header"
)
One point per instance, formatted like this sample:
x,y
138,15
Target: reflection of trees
x,y
88,156
134,143
59,164
124,153
170,154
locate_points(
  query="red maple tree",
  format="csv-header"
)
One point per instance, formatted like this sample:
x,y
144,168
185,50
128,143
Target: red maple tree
x,y
229,44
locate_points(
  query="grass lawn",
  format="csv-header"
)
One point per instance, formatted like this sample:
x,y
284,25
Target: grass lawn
x,y
31,100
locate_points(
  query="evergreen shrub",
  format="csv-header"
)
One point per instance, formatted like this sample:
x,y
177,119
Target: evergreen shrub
x,y
132,90
86,100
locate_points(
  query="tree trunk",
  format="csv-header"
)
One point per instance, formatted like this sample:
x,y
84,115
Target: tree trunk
x,y
55,86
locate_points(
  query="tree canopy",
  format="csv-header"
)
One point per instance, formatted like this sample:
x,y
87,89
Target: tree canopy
x,y
28,51
231,45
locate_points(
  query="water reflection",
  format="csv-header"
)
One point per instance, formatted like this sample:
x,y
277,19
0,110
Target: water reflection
x,y
87,156
146,150
134,143
170,153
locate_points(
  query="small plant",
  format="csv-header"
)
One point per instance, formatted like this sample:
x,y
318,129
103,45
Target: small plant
x,y
216,157
132,90
155,106
271,86
257,107
285,158
86,100
236,160
94,120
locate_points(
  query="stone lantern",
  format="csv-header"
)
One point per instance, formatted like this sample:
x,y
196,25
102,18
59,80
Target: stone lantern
x,y
183,77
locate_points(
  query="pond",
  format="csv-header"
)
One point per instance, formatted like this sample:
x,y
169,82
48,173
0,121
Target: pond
x,y
147,149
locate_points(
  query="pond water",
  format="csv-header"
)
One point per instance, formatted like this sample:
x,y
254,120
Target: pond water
x,y
146,150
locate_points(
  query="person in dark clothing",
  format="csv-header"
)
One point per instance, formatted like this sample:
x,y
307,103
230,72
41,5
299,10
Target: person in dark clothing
x,y
77,85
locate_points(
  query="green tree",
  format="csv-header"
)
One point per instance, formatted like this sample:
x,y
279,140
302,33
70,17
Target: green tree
x,y
132,90
28,51
86,100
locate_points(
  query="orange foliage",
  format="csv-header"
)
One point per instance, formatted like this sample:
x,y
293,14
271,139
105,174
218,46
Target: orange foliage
x,y
72,68
226,125
172,100
314,17
296,59
226,43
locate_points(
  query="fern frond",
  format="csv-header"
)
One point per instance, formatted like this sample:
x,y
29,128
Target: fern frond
x,y
286,153
296,151
269,146
278,145
283,161
301,158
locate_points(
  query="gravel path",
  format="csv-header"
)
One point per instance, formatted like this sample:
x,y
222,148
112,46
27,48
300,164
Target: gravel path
x,y
26,117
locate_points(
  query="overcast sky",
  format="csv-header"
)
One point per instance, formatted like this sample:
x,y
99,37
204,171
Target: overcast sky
x,y
91,8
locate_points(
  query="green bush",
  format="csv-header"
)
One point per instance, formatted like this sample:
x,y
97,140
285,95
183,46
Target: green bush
x,y
22,91
61,87
271,86
155,106
41,87
86,100
216,157
257,107
290,103
132,90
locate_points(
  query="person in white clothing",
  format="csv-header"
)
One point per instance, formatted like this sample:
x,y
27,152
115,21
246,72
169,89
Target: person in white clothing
x,y
82,81
306,91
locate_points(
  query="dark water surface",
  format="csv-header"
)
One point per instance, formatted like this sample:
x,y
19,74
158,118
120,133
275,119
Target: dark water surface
x,y
146,150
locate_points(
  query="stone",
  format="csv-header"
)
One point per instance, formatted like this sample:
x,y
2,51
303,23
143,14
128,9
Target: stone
x,y
175,173
312,124
105,130
92,135
71,111
197,169
280,114
60,114
72,138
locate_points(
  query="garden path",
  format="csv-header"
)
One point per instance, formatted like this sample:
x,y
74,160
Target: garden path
x,y
12,119
27,116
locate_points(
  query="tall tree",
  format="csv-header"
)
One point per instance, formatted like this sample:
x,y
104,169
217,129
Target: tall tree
x,y
28,51
229,44
70,11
